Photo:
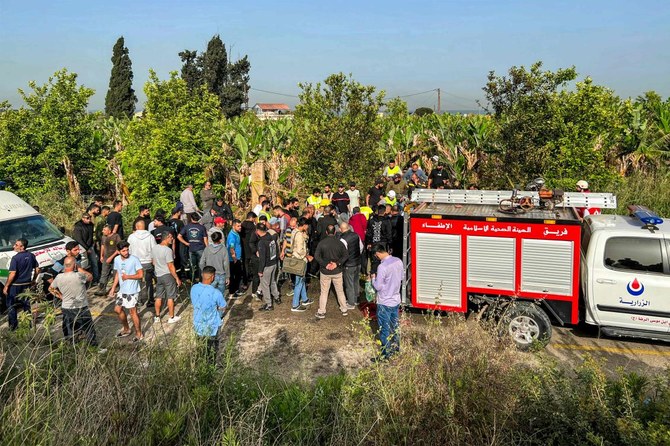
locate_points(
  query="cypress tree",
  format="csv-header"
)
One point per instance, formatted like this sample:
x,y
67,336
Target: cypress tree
x,y
191,69
215,66
228,81
120,100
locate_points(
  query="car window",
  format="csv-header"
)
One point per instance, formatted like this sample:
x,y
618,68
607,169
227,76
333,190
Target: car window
x,y
634,254
35,229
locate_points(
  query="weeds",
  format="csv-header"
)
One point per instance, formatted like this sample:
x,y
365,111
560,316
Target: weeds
x,y
453,383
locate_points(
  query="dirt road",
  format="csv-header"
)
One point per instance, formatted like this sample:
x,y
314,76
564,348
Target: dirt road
x,y
297,345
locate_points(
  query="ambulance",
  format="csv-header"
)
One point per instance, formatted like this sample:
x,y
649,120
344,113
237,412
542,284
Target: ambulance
x,y
18,220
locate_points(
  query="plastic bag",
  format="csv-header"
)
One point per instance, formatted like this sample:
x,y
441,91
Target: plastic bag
x,y
370,292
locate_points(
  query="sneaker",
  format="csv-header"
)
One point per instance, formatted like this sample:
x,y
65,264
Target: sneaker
x,y
266,307
156,319
299,308
239,294
320,315
173,319
100,292
278,301
290,293
102,351
351,307
258,295
344,313
307,303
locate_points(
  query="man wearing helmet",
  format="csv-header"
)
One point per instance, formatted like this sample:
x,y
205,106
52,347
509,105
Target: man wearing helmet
x,y
583,186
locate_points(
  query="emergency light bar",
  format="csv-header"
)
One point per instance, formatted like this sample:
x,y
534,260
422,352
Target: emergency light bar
x,y
645,215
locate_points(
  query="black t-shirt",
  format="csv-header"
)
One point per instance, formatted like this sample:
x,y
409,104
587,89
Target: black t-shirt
x,y
114,218
341,202
176,225
375,196
248,228
439,178
158,232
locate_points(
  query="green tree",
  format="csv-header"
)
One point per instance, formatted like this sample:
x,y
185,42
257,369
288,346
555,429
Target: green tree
x,y
236,89
215,66
172,144
337,131
120,100
227,81
48,144
523,105
191,69
396,108
423,111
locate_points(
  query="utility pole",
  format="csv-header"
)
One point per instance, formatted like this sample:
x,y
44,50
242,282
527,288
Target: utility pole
x,y
439,100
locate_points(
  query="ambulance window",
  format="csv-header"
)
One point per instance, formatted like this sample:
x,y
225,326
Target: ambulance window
x,y
634,254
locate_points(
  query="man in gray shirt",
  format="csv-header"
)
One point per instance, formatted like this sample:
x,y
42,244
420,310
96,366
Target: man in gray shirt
x,y
70,287
167,280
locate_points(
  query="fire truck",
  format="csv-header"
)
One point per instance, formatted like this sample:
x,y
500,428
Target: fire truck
x,y
540,265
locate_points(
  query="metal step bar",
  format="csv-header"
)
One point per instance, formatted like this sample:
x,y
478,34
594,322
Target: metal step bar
x,y
493,197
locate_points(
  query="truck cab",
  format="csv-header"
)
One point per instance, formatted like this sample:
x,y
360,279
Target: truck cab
x,y
625,276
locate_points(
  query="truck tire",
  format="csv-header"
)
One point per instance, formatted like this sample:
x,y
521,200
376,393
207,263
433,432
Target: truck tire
x,y
526,324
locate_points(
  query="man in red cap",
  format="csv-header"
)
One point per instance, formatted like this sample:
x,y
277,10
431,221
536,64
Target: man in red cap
x,y
219,225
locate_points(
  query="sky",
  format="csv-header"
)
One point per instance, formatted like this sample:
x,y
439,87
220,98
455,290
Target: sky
x,y
402,47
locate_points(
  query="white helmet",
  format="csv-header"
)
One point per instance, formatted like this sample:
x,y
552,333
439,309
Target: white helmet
x,y
391,194
582,184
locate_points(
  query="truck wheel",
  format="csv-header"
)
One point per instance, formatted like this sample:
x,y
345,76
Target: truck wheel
x,y
526,324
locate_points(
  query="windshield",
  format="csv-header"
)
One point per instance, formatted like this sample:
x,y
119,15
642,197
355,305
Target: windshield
x,y
36,229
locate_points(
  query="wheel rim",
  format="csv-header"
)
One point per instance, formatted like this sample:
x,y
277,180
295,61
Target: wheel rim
x,y
523,330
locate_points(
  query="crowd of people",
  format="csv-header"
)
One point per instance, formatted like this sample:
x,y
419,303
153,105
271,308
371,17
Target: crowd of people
x,y
336,236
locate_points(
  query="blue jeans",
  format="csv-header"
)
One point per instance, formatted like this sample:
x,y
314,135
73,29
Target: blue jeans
x,y
299,291
220,283
389,330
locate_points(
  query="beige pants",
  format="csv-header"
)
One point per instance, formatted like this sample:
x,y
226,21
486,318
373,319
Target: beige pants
x,y
325,280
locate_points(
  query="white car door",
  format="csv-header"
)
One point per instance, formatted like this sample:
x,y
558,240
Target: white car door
x,y
631,284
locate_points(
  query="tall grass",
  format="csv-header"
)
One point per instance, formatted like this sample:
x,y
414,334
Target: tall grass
x,y
648,189
453,383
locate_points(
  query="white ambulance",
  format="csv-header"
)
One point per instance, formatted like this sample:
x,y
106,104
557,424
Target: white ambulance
x,y
18,219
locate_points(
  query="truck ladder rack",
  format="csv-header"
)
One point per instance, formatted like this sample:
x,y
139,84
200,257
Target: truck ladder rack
x,y
493,197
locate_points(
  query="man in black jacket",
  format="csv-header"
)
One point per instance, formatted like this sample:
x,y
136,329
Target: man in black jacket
x,y
379,231
82,233
352,267
268,255
249,253
331,256
324,222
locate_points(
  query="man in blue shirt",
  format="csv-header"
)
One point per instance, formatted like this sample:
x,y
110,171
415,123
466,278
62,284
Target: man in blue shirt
x,y
208,306
234,244
128,276
23,270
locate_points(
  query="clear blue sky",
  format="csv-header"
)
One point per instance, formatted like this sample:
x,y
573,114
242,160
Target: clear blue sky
x,y
401,46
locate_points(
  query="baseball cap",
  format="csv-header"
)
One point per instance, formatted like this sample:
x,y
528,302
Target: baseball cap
x,y
340,185
219,220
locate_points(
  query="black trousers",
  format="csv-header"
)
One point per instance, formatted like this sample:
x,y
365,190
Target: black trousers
x,y
254,263
79,319
235,276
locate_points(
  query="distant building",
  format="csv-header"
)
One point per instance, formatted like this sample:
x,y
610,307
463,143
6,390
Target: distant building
x,y
272,111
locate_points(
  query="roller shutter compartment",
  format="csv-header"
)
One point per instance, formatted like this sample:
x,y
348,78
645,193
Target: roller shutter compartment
x,y
546,266
438,269
491,262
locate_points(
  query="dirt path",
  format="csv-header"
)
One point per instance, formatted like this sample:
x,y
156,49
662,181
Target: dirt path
x,y
297,345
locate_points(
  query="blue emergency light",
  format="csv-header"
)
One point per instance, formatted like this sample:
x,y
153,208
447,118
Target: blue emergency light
x,y
645,215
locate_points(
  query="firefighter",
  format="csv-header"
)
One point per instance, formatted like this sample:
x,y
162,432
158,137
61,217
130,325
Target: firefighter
x,y
583,186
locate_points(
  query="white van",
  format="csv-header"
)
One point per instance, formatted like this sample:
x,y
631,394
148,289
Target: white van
x,y
18,219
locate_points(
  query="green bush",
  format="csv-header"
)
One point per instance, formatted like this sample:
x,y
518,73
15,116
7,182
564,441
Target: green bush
x,y
454,383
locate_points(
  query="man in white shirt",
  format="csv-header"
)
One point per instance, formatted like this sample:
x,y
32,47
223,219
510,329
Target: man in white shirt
x,y
188,200
354,197
141,246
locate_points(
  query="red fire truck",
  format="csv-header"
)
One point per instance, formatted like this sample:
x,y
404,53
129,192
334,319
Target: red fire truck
x,y
462,252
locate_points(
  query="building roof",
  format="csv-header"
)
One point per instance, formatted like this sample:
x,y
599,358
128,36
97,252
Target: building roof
x,y
269,107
